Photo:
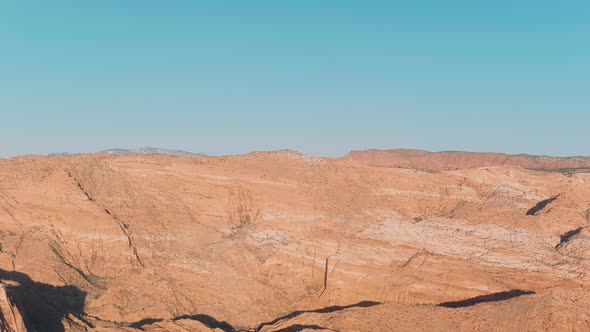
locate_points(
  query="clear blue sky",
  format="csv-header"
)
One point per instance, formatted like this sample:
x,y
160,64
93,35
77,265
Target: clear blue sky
x,y
318,76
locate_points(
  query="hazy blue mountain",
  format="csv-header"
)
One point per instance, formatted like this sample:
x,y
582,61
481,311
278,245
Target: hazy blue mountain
x,y
57,154
151,150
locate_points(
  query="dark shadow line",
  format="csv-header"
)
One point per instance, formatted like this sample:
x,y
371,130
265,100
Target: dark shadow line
x,y
362,304
540,206
495,297
299,327
145,321
566,237
42,306
208,321
213,323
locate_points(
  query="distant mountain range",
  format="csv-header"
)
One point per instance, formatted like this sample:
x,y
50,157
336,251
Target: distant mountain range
x,y
140,151
57,154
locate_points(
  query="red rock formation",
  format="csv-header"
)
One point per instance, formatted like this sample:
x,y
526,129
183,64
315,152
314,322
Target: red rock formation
x,y
266,240
454,160
10,318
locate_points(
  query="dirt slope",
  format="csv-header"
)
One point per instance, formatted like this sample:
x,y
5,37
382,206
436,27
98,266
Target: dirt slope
x,y
161,243
454,160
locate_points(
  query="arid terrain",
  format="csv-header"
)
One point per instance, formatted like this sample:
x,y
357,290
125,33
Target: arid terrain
x,y
281,241
455,160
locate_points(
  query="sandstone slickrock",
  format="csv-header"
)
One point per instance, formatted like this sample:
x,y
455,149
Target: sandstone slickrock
x,y
281,241
453,160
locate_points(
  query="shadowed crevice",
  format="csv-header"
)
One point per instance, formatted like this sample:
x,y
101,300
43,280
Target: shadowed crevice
x,y
566,237
213,323
299,327
208,321
363,304
44,306
540,206
147,321
495,297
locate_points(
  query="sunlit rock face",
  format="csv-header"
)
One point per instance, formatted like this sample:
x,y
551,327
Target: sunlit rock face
x,y
280,240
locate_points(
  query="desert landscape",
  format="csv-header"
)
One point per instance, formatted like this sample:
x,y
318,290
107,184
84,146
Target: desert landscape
x,y
283,241
294,166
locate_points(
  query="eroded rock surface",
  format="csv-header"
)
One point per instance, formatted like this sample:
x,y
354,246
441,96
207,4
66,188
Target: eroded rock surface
x,y
281,241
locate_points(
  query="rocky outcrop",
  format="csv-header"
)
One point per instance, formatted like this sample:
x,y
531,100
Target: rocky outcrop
x,y
10,317
267,240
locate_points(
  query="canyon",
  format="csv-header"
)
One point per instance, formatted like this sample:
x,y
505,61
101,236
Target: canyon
x,y
282,241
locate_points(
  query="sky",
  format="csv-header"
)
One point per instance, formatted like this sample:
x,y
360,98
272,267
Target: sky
x,y
319,76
